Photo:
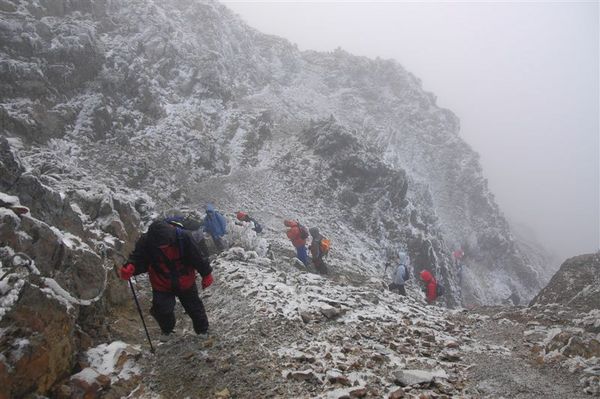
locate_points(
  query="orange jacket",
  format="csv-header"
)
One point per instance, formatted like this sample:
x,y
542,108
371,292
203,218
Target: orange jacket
x,y
431,288
293,233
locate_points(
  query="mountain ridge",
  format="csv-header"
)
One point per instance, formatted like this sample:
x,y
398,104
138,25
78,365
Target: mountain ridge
x,y
200,100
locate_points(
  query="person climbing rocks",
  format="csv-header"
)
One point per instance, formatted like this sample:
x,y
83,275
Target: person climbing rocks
x,y
430,285
171,257
319,247
244,217
401,275
298,235
458,256
215,224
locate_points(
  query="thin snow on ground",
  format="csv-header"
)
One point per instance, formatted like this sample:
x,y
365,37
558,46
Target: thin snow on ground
x,y
105,359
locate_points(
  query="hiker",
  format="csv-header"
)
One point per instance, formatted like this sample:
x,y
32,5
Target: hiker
x,y
319,246
171,257
244,217
298,235
430,285
215,225
401,274
458,256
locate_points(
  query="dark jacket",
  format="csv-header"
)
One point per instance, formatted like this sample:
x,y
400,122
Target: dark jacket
x,y
315,244
171,257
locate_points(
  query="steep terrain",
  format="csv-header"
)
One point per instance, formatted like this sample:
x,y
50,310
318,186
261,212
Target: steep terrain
x,y
214,110
576,284
113,111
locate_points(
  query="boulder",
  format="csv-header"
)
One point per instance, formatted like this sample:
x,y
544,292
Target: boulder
x,y
415,377
41,335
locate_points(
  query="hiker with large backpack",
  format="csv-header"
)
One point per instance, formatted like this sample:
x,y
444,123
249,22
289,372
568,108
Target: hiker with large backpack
x,y
172,256
244,217
431,286
401,275
215,224
319,248
298,234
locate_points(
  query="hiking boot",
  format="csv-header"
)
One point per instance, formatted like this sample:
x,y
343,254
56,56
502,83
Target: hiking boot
x,y
206,341
165,337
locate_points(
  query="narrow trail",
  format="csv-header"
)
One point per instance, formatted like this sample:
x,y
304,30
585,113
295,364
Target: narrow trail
x,y
280,333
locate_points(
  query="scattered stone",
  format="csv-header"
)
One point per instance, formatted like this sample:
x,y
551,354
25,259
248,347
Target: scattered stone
x,y
397,394
224,394
358,393
414,377
331,312
304,375
450,355
336,377
452,344
306,317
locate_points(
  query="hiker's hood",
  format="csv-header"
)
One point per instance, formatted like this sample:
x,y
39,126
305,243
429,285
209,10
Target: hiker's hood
x,y
290,223
210,208
403,258
426,276
241,215
161,233
314,231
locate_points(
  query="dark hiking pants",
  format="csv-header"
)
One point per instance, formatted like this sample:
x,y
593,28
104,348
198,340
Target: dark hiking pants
x,y
163,307
320,266
397,288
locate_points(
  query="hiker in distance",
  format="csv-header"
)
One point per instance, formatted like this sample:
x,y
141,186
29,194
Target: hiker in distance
x,y
431,286
215,224
244,217
171,256
298,235
401,275
319,247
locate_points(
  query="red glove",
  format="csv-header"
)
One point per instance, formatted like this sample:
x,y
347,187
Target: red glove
x,y
127,271
207,281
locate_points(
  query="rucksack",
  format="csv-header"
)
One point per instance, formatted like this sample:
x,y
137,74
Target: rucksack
x,y
406,275
186,223
439,290
325,245
303,231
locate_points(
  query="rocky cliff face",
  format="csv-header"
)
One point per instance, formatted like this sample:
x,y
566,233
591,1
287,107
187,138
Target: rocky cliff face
x,y
576,284
56,263
186,103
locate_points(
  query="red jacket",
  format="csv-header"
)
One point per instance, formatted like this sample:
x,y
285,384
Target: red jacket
x,y
294,233
158,253
431,285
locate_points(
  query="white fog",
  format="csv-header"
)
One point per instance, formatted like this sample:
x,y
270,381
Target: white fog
x,y
522,78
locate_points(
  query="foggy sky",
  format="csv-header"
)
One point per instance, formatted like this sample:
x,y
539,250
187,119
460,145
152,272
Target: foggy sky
x,y
522,78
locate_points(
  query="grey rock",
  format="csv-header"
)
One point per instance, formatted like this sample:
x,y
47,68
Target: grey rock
x,y
414,377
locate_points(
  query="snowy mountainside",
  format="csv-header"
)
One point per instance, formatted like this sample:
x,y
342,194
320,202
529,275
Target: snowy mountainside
x,y
184,102
576,284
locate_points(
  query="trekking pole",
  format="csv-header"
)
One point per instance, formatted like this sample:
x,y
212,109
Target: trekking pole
x,y
141,315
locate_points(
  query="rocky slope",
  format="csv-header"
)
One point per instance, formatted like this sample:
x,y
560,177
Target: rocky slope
x,y
56,262
112,111
214,110
576,284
